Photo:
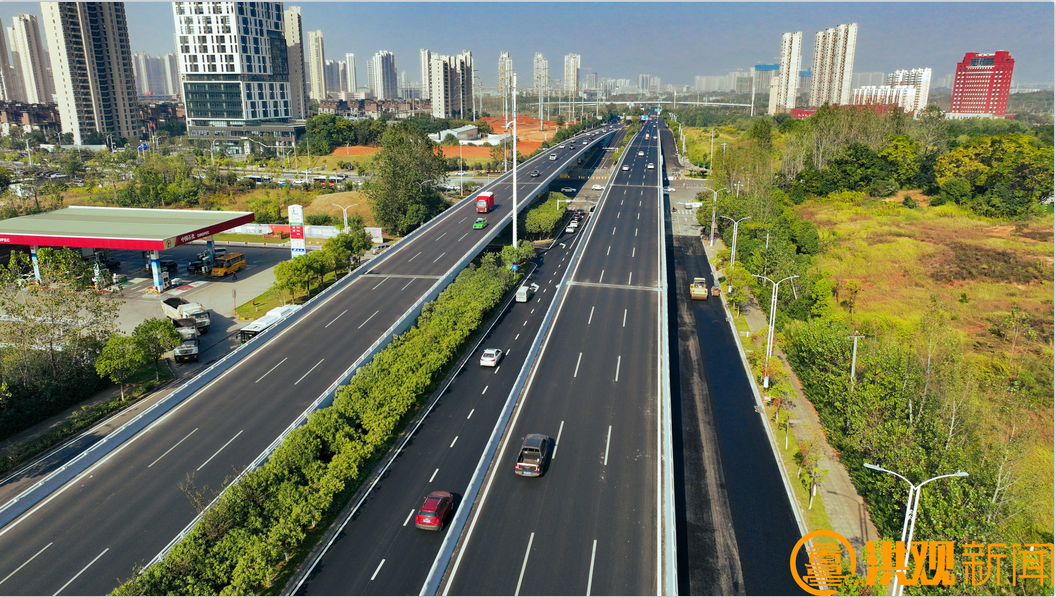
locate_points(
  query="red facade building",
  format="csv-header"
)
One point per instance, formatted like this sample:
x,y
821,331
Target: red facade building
x,y
981,84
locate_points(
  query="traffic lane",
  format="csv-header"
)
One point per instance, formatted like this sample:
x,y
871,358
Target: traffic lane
x,y
260,422
625,240
380,530
582,390
763,519
617,503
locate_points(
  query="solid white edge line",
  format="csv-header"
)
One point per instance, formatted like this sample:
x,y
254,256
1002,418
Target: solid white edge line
x,y
524,564
26,562
310,370
158,458
218,451
80,573
273,368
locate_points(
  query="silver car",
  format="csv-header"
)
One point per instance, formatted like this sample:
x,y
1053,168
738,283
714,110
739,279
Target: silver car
x,y
491,357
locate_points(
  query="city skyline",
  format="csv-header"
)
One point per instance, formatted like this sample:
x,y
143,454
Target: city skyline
x,y
698,39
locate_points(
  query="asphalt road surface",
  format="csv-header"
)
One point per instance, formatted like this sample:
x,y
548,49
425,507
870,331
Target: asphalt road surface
x,y
126,509
589,525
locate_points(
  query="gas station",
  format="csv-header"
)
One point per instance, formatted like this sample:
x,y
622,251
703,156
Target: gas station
x,y
147,230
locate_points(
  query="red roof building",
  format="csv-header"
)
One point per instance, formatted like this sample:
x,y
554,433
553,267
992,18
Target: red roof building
x,y
981,84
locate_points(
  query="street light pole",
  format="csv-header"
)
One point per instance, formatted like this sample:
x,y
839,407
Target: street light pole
x,y
344,210
770,333
854,355
714,201
733,253
513,90
910,518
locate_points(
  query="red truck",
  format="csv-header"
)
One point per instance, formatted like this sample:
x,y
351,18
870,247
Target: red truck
x,y
485,202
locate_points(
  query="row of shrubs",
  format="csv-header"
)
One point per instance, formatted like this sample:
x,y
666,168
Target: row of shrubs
x,y
243,542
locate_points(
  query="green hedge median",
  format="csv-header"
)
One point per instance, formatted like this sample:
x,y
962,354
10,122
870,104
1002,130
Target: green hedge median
x,y
260,523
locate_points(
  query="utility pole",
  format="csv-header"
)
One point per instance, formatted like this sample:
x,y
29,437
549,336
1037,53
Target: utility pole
x,y
733,251
854,355
513,89
714,201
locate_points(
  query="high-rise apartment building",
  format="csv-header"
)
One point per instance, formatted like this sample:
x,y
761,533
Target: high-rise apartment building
x,y
293,31
919,79
592,82
27,53
10,89
316,66
155,76
981,84
643,82
381,75
785,85
540,73
332,76
452,85
572,64
505,73
833,65
903,96
235,69
92,61
352,84
425,59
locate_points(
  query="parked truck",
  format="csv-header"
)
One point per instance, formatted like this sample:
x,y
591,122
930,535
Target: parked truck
x,y
485,202
531,461
177,308
188,348
698,289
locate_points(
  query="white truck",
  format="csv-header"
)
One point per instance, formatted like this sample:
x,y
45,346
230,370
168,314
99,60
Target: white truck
x,y
188,348
176,308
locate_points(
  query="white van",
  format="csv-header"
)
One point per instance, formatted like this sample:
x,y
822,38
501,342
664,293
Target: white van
x,y
523,294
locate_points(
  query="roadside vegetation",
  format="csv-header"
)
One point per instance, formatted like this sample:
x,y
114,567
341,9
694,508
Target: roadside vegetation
x,y
245,540
932,239
59,345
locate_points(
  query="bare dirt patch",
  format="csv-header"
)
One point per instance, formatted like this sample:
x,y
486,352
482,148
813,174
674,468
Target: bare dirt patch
x,y
959,261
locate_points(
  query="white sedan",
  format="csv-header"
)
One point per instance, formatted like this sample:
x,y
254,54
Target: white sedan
x,y
491,357
597,187
568,190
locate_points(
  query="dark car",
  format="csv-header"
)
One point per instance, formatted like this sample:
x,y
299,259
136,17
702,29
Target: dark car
x,y
196,267
112,264
170,265
435,510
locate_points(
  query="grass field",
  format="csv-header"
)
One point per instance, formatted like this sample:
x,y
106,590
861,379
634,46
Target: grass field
x,y
979,269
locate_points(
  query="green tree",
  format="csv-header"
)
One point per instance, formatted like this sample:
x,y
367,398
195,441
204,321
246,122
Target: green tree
x,y
157,336
524,252
406,172
121,357
1008,172
901,155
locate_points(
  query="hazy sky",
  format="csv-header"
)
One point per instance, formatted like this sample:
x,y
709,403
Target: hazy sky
x,y
674,41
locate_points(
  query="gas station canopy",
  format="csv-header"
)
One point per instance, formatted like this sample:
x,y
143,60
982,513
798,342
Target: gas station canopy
x,y
118,227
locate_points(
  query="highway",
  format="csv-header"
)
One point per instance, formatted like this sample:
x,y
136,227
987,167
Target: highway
x,y
125,509
590,524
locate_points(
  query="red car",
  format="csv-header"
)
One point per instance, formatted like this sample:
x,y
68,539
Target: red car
x,y
435,511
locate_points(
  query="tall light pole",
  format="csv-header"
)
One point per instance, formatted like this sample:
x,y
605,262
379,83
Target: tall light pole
x,y
854,355
513,123
714,202
733,253
909,520
737,184
770,333
344,210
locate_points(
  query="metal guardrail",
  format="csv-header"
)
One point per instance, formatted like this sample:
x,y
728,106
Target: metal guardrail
x,y
401,325
458,523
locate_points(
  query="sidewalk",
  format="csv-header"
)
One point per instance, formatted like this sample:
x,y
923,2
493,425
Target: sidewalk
x,y
846,509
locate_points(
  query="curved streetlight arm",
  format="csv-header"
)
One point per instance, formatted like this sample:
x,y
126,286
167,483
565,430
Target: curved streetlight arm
x,y
884,470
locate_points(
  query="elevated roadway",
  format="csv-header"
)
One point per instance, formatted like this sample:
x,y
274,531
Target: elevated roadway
x,y
124,509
